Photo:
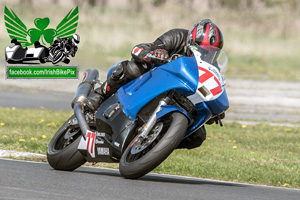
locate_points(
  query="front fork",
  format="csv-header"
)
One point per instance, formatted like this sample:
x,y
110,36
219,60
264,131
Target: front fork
x,y
153,118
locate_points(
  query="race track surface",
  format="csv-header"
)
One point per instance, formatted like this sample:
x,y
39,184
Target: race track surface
x,y
30,180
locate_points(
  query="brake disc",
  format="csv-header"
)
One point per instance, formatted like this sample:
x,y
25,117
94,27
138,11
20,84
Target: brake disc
x,y
142,143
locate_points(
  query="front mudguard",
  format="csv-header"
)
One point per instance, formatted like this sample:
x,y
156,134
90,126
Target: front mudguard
x,y
169,108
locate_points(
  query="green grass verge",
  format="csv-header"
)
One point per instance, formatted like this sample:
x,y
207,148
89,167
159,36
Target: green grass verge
x,y
29,130
258,154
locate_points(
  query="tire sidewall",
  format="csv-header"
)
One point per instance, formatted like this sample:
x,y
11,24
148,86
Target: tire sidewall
x,y
160,151
68,158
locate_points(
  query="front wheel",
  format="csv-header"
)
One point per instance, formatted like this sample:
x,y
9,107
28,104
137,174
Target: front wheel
x,y
62,153
144,154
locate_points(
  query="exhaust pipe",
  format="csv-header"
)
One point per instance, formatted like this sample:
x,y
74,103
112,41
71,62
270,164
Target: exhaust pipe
x,y
88,81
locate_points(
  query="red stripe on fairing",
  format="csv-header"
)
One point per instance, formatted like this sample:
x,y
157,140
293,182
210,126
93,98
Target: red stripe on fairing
x,y
207,75
217,89
216,44
204,77
205,40
194,33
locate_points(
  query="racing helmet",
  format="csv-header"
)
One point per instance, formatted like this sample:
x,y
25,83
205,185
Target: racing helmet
x,y
75,39
205,32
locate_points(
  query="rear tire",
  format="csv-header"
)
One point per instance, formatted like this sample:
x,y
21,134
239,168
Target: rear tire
x,y
62,153
140,157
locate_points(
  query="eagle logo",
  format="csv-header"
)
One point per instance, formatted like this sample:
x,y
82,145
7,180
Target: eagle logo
x,y
17,29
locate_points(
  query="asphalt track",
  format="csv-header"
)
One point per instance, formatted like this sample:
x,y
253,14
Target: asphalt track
x,y
33,181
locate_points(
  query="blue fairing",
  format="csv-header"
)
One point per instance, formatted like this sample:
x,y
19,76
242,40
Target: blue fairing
x,y
181,75
203,114
205,110
168,109
219,105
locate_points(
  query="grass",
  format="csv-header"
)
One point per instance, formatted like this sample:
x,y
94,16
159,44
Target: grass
x,y
258,56
29,130
259,154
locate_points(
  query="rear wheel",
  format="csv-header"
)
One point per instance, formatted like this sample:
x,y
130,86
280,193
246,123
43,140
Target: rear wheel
x,y
144,154
62,153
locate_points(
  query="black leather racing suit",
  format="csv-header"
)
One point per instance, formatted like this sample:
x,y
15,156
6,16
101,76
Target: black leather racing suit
x,y
173,41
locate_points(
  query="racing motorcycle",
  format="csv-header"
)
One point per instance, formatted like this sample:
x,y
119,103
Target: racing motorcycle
x,y
146,119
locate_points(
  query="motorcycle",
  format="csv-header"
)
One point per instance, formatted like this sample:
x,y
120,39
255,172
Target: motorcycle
x,y
145,120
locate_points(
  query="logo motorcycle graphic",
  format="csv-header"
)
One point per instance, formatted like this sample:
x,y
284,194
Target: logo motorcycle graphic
x,y
17,29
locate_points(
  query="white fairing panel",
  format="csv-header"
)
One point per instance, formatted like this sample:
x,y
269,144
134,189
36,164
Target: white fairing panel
x,y
211,82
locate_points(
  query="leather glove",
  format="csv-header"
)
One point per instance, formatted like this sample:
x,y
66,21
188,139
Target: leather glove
x,y
161,53
157,56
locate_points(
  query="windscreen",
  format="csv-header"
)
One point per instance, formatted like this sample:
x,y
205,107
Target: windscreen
x,y
213,56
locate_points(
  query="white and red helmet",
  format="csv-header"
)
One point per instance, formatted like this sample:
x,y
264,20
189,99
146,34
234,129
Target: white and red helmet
x,y
205,32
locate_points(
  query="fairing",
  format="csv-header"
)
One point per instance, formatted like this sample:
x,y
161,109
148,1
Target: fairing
x,y
180,75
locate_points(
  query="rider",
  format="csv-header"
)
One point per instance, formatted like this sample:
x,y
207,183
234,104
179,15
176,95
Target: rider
x,y
175,41
70,45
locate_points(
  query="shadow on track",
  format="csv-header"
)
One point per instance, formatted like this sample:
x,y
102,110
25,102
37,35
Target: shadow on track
x,y
162,178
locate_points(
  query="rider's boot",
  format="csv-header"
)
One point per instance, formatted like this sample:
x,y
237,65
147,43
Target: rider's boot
x,y
117,78
98,96
94,101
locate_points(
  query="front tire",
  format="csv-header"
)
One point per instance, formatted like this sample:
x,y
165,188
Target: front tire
x,y
62,153
143,155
